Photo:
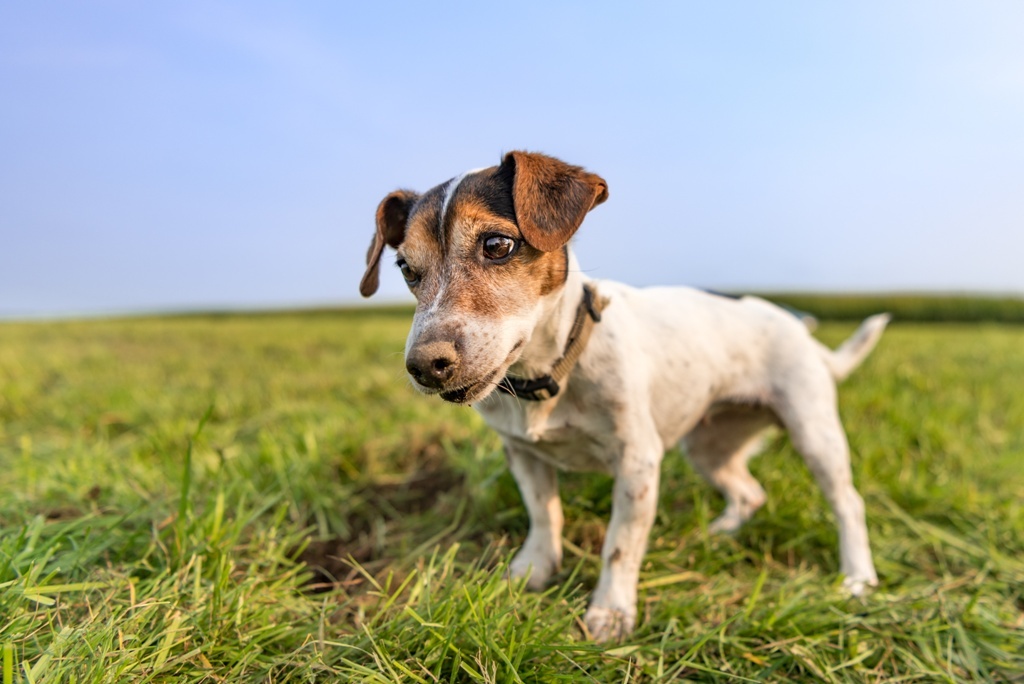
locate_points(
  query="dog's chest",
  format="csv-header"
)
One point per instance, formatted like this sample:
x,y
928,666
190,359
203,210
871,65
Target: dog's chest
x,y
562,435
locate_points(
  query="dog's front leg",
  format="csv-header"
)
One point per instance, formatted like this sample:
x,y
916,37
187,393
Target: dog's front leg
x,y
612,611
541,554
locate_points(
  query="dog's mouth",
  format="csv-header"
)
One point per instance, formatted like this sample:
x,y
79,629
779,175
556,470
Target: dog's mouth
x,y
468,394
476,391
457,396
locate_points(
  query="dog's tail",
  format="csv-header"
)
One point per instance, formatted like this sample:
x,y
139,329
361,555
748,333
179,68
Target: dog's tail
x,y
846,357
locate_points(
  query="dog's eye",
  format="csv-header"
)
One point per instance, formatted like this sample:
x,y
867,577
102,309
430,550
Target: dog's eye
x,y
411,278
499,247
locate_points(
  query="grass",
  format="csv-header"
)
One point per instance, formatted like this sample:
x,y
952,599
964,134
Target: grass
x,y
263,498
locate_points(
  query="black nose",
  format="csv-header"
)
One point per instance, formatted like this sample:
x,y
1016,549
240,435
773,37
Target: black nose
x,y
432,364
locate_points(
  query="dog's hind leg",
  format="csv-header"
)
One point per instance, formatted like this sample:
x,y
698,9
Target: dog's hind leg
x,y
812,419
719,448
541,553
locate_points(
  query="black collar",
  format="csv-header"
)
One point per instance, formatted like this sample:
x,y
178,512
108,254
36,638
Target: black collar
x,y
547,386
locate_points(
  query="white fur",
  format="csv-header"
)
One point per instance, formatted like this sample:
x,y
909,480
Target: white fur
x,y
449,192
668,366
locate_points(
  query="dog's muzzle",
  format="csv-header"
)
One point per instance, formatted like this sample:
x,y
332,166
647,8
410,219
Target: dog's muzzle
x,y
432,364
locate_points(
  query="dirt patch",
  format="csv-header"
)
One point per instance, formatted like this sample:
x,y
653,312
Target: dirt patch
x,y
71,511
379,506
331,563
61,513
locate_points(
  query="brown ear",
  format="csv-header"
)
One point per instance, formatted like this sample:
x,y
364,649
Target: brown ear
x,y
392,216
550,197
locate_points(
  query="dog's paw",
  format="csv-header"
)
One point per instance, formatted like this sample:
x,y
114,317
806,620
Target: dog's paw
x,y
608,624
537,569
859,586
738,512
725,524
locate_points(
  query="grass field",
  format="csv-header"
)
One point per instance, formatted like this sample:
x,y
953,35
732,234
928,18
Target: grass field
x,y
264,498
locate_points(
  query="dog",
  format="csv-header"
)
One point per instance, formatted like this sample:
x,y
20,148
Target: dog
x,y
578,374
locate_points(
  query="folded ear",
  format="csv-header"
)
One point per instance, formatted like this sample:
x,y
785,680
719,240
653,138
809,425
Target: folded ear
x,y
550,197
392,216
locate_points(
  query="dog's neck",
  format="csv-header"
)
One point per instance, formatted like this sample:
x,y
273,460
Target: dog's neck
x,y
557,313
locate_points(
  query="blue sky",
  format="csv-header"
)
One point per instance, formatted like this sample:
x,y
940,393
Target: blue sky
x,y
184,155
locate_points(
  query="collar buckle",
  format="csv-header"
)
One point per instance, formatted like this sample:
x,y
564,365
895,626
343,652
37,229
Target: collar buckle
x,y
532,389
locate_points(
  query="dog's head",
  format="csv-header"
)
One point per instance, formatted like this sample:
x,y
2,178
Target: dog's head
x,y
481,253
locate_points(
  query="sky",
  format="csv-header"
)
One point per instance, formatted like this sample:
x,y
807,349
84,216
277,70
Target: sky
x,y
167,156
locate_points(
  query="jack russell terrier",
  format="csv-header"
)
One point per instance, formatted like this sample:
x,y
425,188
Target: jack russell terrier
x,y
580,374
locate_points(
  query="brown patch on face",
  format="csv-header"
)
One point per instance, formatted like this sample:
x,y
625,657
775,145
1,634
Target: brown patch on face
x,y
557,271
489,288
421,248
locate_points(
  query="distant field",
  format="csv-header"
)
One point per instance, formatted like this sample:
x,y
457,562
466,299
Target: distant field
x,y
908,307
326,523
